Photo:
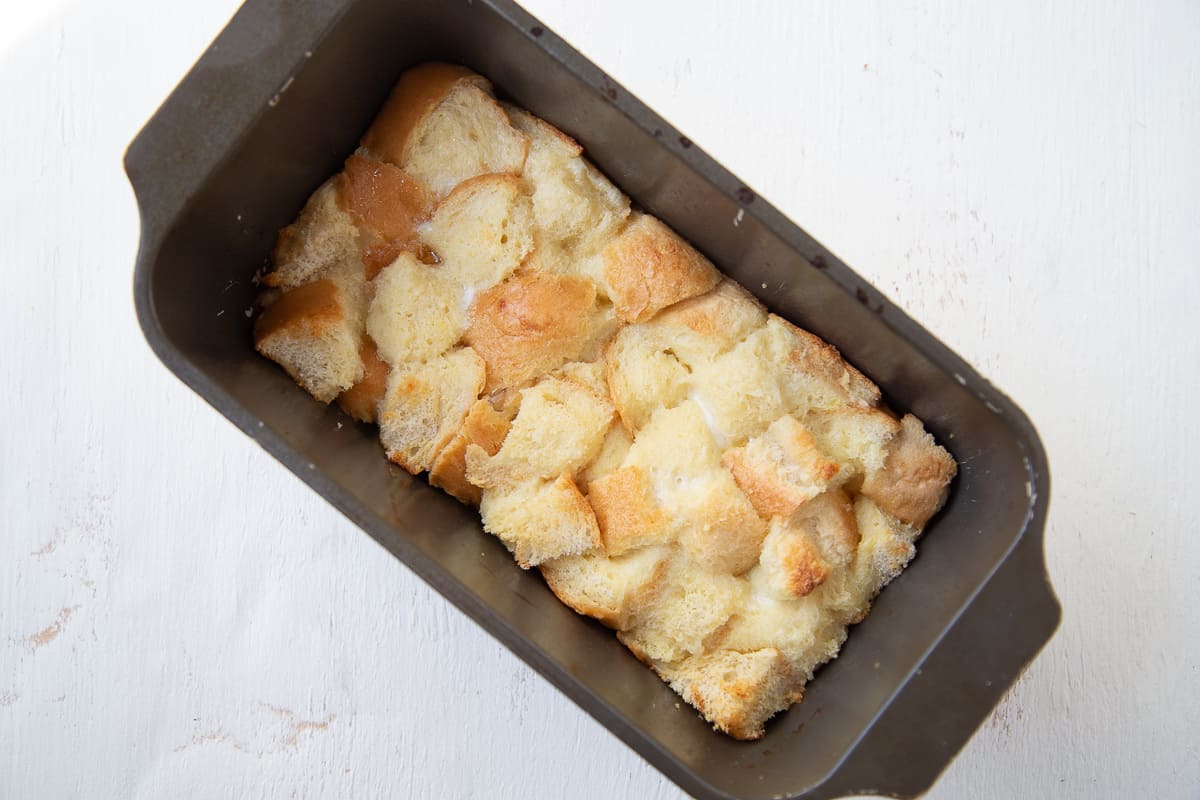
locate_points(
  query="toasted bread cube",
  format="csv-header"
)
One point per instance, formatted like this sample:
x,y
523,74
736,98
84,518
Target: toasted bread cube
x,y
651,365
802,551
587,374
648,267
800,629
719,527
915,479
361,401
643,375
791,562
485,427
386,205
531,324
617,442
313,332
856,438
558,430
828,520
689,608
884,550
781,469
416,314
738,394
426,404
810,372
737,692
441,125
627,511
705,326
540,520
612,590
321,242
674,448
481,232
578,210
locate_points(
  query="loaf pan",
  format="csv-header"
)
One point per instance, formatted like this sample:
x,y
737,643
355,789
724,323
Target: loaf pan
x,y
274,107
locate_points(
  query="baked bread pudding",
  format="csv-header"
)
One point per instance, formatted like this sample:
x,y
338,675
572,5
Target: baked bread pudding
x,y
709,480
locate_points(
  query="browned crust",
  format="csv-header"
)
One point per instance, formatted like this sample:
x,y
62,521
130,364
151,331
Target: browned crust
x,y
614,617
626,511
529,325
382,197
735,702
310,309
484,426
803,566
829,521
418,92
648,268
386,204
577,508
769,493
769,497
361,401
520,117
713,315
915,478
579,603
725,532
411,384
471,185
813,355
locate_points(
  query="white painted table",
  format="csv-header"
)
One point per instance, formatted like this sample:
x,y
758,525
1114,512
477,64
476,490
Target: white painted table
x,y
181,617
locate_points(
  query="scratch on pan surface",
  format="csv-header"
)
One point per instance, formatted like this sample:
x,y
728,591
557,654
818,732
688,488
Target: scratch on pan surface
x,y
274,101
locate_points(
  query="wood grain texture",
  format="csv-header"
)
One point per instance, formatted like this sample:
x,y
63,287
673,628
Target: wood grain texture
x,y
179,616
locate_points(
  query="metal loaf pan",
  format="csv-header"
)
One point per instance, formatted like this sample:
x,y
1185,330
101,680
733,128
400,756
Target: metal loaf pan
x,y
274,107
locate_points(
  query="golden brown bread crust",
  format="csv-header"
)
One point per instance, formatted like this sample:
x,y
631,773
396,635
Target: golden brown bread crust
x,y
648,268
722,532
781,469
733,688
362,400
915,478
425,405
628,515
386,205
311,307
494,303
415,95
529,325
611,590
484,427
541,521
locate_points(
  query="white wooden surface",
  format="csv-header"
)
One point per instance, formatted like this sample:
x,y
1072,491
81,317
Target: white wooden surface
x,y
181,617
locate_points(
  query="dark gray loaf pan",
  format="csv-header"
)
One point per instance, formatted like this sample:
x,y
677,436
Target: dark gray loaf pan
x,y
276,105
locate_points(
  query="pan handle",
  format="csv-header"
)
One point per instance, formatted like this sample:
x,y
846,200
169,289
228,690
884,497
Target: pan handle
x,y
959,684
